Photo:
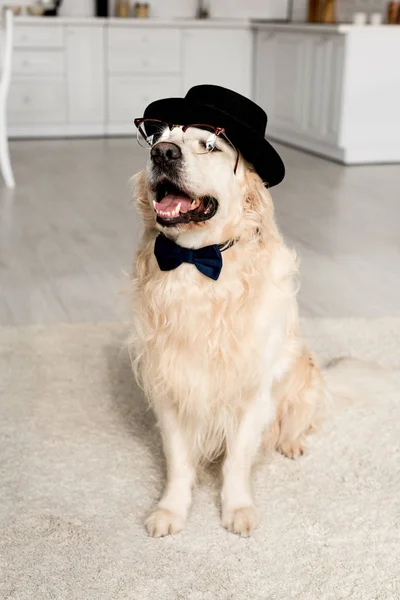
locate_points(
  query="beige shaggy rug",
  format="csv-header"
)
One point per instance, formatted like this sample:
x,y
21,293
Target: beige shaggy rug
x,y
81,465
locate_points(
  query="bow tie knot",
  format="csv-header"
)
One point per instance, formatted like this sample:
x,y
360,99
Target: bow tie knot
x,y
169,255
190,256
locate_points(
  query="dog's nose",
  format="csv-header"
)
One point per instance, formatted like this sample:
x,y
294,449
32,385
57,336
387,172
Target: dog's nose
x,y
165,152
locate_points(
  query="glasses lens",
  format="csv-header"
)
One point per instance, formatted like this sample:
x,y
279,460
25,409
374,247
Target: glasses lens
x,y
201,138
150,132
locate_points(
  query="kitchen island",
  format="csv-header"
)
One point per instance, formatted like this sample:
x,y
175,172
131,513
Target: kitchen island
x,y
331,89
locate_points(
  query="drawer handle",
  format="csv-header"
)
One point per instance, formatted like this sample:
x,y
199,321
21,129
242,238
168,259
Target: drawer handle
x,y
26,100
25,63
145,63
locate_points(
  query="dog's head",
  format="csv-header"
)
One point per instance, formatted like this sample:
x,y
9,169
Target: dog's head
x,y
198,189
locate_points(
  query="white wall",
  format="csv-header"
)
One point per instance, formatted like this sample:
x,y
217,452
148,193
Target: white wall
x,y
256,9
77,8
71,8
299,10
3,2
344,9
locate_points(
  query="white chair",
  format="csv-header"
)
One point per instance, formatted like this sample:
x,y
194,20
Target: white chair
x,y
7,46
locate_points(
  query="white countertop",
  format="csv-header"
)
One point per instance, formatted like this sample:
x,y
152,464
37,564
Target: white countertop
x,y
321,27
132,22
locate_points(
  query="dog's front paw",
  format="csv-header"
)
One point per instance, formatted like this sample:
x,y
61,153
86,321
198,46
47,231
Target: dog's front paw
x,y
240,520
292,449
164,522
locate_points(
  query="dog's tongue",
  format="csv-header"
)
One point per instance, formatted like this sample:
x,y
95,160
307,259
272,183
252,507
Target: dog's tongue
x,y
171,201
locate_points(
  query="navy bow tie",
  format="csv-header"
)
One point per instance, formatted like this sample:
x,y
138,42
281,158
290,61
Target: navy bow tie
x,y
208,260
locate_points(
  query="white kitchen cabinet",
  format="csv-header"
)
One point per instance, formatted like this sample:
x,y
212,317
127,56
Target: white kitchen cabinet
x,y
37,102
85,75
220,57
94,76
150,51
333,90
280,76
129,96
143,65
38,36
40,62
330,89
324,64
298,82
38,91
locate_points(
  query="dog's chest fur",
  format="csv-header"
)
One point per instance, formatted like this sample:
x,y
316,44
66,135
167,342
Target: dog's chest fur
x,y
203,344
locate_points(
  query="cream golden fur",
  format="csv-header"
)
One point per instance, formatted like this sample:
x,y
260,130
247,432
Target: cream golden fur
x,y
222,362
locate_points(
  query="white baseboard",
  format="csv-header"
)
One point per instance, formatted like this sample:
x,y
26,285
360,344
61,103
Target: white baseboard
x,y
57,130
120,129
378,152
68,130
303,143
375,152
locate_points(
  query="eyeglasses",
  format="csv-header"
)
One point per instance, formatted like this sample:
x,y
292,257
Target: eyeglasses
x,y
201,137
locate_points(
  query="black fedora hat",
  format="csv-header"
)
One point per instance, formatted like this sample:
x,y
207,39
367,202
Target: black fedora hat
x,y
243,120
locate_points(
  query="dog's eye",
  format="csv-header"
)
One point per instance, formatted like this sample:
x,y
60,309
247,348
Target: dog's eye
x,y
207,145
210,145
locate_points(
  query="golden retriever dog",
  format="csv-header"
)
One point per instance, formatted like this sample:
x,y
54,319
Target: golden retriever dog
x,y
221,361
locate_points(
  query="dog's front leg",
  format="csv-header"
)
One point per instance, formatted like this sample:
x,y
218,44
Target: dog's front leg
x,y
239,513
170,515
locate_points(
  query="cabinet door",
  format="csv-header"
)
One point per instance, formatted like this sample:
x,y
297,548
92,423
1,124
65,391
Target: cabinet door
x,y
264,69
85,74
37,100
323,80
218,56
38,62
37,35
129,96
279,78
298,82
148,50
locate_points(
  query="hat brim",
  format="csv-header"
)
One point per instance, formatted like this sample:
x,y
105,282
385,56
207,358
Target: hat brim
x,y
254,148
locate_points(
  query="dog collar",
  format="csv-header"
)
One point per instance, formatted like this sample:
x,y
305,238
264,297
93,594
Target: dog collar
x,y
208,260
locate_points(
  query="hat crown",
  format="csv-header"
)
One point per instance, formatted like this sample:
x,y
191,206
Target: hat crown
x,y
244,123
230,102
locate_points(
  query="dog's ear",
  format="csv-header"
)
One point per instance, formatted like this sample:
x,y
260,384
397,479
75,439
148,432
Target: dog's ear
x,y
258,205
141,199
257,195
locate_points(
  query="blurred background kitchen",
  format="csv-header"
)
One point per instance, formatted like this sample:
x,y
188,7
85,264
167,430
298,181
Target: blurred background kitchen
x,y
326,72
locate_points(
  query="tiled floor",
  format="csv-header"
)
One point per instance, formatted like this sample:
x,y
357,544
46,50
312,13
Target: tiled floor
x,y
68,231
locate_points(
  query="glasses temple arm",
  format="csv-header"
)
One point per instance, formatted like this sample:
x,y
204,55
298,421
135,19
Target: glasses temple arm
x,y
237,162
